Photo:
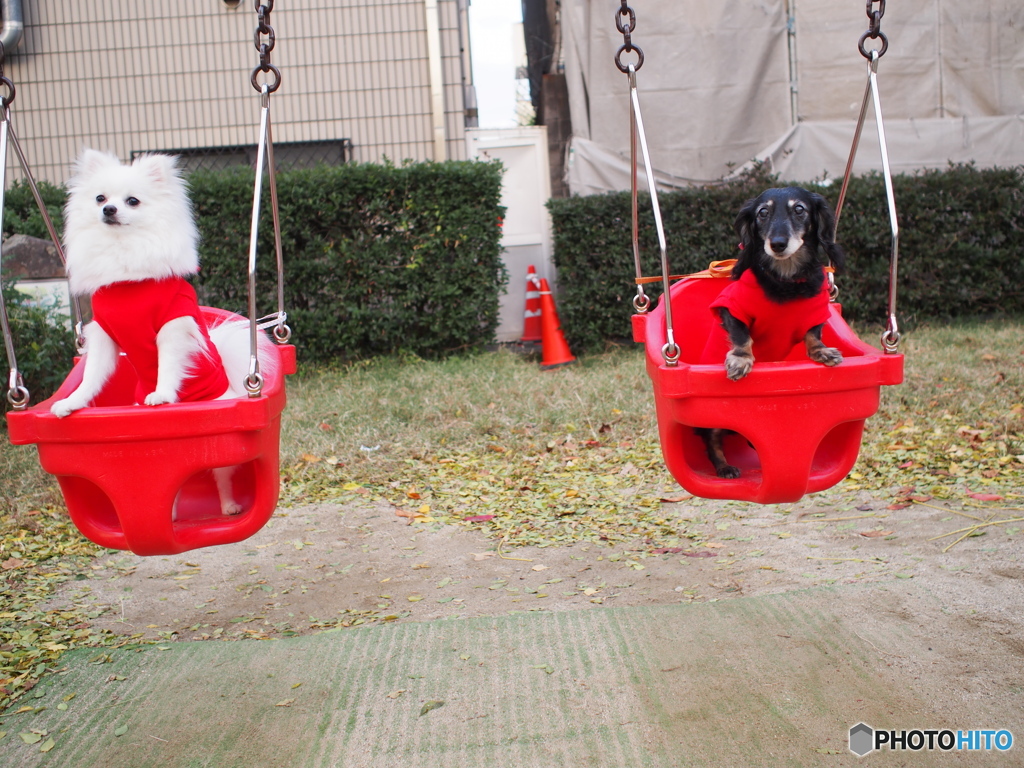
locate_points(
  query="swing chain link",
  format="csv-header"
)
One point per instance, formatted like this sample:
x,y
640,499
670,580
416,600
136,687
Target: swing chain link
x,y
264,39
17,394
874,29
254,384
627,42
891,339
5,82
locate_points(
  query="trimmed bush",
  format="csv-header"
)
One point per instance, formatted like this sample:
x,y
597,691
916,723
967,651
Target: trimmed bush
x,y
382,259
961,240
378,258
21,214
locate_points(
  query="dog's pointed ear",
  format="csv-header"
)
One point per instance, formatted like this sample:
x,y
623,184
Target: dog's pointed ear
x,y
92,160
825,226
160,168
744,226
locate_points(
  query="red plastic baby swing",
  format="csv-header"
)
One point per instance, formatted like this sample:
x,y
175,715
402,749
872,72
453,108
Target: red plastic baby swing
x,y
797,424
140,478
123,468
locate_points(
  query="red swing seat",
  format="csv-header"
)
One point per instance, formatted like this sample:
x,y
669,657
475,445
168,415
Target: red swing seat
x,y
798,423
123,468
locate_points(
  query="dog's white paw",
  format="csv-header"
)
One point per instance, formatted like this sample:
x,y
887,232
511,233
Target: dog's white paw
x,y
231,508
160,398
65,407
828,356
738,366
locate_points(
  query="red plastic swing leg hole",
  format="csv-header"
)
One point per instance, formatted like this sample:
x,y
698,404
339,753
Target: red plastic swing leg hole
x,y
199,498
739,453
91,510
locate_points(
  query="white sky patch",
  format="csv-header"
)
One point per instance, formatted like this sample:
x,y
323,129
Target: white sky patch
x,y
491,26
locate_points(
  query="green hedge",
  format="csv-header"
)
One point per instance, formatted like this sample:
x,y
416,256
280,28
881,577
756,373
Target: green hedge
x,y
381,259
378,258
21,214
961,246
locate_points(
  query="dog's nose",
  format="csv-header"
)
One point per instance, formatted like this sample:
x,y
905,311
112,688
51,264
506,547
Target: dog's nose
x,y
779,244
109,210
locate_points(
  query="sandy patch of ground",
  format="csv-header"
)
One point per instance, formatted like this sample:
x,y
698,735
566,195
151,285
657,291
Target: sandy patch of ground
x,y
327,565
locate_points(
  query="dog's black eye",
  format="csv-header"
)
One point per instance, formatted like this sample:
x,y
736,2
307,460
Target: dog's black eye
x,y
799,210
132,201
101,199
762,213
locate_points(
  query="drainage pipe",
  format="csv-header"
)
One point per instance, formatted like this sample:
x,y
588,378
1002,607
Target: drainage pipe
x,y
436,73
13,24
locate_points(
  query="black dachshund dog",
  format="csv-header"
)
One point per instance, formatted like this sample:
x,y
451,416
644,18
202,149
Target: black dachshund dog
x,y
779,296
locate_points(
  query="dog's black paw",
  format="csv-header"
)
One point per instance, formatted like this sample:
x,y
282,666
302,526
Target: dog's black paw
x,y
728,472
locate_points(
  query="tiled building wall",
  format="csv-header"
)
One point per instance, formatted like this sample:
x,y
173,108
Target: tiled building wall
x,y
131,76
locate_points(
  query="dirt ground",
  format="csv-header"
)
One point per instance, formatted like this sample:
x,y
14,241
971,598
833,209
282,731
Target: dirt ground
x,y
944,629
323,566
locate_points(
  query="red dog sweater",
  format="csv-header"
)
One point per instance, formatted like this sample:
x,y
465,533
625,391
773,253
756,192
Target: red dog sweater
x,y
775,328
132,313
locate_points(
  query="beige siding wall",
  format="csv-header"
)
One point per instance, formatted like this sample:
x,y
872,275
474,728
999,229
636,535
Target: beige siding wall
x,y
128,75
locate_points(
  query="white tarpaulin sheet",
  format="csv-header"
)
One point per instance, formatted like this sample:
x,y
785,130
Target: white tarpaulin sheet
x,y
815,150
725,81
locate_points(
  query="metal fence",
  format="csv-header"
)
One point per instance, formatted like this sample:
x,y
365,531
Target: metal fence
x,y
288,155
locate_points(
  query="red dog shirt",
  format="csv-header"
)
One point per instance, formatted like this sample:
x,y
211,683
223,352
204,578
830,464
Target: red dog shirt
x,y
775,328
132,313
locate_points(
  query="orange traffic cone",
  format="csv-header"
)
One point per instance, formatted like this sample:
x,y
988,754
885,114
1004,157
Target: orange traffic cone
x,y
531,317
556,350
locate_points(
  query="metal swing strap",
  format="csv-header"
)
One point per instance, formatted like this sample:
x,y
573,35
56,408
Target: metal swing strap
x,y
17,394
265,40
891,335
625,22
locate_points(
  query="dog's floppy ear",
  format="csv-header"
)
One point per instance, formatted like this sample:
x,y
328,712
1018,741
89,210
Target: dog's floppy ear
x,y
745,227
91,160
825,228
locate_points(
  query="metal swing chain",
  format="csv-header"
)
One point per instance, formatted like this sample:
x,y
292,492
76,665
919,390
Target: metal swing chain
x,y
17,394
264,158
264,39
625,12
874,30
670,351
891,335
641,302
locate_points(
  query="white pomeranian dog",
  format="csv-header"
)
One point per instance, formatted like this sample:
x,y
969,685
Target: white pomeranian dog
x,y
131,240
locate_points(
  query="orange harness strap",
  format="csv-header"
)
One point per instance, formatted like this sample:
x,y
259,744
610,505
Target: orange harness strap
x,y
715,269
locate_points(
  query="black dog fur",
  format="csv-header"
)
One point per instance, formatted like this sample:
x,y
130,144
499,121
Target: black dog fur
x,y
782,232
